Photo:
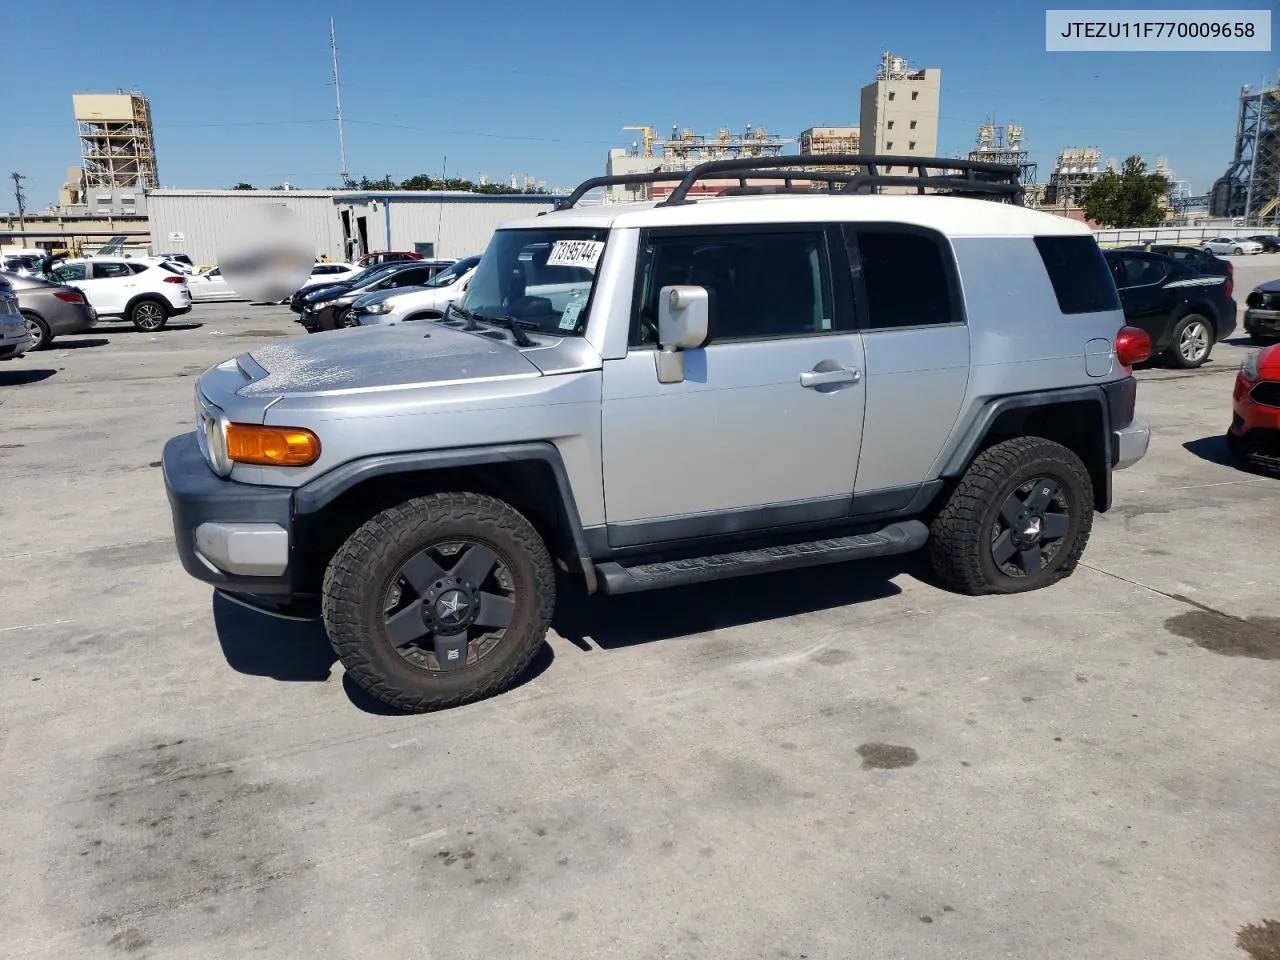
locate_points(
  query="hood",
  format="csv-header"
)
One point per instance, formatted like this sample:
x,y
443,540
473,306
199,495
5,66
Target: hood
x,y
1271,286
324,291
380,358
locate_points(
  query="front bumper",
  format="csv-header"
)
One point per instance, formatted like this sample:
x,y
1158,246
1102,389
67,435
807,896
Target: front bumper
x,y
236,536
14,338
1262,322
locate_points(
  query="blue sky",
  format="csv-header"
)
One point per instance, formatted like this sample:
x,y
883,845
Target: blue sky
x,y
242,91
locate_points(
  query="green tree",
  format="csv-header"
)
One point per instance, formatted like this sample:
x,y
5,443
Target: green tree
x,y
1131,198
244,186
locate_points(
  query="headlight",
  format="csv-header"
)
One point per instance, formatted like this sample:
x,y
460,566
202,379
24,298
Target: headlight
x,y
211,431
1249,367
323,304
382,306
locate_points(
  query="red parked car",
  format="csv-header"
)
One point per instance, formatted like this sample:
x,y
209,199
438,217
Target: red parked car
x,y
1254,435
386,256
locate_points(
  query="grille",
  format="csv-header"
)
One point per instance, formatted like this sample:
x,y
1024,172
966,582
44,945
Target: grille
x,y
1267,392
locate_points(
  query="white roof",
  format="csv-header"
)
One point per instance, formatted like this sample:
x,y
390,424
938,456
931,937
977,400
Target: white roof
x,y
951,216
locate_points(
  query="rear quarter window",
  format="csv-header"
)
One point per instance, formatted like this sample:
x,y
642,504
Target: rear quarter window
x,y
1079,274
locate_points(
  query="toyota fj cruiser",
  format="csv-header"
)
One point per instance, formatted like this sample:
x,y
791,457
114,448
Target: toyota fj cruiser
x,y
655,394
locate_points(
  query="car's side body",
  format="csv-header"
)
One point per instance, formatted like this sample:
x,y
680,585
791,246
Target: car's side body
x,y
115,285
15,339
427,302
52,309
1156,292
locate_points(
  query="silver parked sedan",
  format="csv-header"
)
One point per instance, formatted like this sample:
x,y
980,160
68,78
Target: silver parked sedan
x,y
14,338
51,309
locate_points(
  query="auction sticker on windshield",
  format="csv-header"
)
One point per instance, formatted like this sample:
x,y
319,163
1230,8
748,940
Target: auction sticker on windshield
x,y
575,253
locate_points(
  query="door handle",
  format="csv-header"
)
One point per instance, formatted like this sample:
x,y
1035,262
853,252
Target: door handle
x,y
817,378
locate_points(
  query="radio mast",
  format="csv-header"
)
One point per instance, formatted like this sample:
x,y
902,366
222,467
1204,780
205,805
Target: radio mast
x,y
337,97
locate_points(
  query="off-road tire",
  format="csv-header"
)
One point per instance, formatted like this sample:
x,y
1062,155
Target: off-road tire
x,y
1174,352
143,316
41,329
960,535
358,576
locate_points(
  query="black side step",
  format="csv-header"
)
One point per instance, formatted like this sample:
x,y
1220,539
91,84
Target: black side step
x,y
901,537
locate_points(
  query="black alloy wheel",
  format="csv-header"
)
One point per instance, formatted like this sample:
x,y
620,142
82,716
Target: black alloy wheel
x,y
1030,528
448,606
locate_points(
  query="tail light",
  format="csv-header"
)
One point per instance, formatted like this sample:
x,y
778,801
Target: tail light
x,y
1231,278
70,297
1132,346
175,279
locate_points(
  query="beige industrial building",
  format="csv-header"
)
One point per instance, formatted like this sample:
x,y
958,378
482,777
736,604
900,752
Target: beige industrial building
x,y
683,151
825,141
899,110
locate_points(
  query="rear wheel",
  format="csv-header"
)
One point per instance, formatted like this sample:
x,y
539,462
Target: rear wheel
x,y
439,601
148,316
1192,341
39,330
1018,520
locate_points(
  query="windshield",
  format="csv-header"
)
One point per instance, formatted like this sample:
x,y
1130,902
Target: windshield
x,y
452,272
541,278
365,275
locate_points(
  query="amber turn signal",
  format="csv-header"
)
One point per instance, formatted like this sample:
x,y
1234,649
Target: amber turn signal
x,y
272,446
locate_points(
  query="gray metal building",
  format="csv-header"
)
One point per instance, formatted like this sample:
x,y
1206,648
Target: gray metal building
x,y
432,223
193,221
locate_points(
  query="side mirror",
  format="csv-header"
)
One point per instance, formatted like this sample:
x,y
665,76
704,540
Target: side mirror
x,y
684,323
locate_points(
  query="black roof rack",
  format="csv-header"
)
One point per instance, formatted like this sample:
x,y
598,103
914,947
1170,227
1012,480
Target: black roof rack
x,y
971,178
626,179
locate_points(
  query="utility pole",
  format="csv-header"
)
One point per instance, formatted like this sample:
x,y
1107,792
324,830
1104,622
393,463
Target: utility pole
x,y
20,195
337,97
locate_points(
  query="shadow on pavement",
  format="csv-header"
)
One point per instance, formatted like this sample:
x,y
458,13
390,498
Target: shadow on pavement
x,y
630,619
265,646
123,327
296,651
16,378
1214,449
64,344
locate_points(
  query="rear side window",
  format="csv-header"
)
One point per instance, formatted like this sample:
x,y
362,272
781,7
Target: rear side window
x,y
906,278
1081,281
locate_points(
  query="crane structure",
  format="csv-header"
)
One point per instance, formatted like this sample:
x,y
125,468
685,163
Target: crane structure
x,y
1002,143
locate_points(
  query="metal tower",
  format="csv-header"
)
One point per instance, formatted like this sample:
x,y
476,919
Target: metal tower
x,y
1251,185
117,139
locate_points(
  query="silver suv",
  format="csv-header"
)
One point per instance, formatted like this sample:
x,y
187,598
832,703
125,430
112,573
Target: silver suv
x,y
653,394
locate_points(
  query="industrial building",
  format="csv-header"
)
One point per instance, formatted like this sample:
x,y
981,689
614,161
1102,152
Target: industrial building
x,y
345,225
1002,143
194,221
1250,189
432,223
825,141
683,151
117,140
899,110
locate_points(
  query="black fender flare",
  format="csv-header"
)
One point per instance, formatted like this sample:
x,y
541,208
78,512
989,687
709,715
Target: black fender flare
x,y
316,494
1111,398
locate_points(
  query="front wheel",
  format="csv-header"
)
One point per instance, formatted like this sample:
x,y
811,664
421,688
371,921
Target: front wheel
x,y
148,316
1192,341
439,601
347,319
1018,520
1238,251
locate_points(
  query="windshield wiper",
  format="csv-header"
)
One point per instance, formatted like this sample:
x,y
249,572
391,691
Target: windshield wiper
x,y
517,328
464,313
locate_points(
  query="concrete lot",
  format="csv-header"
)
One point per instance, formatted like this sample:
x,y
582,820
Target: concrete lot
x,y
844,763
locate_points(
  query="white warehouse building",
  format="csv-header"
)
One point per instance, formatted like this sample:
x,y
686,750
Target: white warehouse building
x,y
433,223
345,225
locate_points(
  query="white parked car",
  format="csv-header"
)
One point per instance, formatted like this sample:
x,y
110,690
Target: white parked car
x,y
426,302
211,285
1236,245
144,293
